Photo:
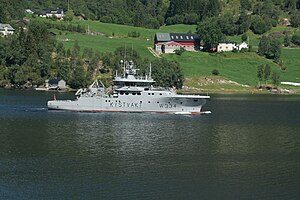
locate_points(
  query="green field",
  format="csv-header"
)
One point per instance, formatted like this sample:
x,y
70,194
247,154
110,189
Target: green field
x,y
238,67
106,44
291,59
109,43
123,30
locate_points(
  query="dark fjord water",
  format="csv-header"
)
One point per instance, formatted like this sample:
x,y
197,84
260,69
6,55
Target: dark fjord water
x,y
248,148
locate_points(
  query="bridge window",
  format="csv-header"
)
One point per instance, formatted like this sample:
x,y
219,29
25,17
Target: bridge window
x,y
158,102
149,93
160,93
138,93
126,93
152,93
148,101
133,93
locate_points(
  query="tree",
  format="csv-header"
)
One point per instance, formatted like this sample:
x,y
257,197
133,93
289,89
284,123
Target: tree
x,y
227,23
243,23
245,5
275,78
270,48
259,25
167,73
290,5
244,37
211,33
2,15
295,19
296,39
267,72
260,73
286,41
78,76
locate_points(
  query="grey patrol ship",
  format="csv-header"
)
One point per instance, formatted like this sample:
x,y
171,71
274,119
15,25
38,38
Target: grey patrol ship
x,y
131,93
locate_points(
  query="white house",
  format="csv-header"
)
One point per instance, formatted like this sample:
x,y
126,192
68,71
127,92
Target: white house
x,y
229,46
53,12
222,47
55,84
243,45
6,29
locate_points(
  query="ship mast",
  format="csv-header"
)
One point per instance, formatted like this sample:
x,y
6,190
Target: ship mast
x,y
150,71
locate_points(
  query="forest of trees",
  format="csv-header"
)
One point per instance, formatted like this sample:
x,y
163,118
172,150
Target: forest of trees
x,y
31,56
259,15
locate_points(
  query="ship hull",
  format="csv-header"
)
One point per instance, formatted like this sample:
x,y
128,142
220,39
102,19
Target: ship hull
x,y
173,104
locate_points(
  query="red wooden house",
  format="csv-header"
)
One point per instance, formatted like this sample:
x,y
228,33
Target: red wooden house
x,y
169,42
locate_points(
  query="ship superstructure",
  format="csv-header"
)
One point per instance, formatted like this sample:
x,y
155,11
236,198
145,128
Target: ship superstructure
x,y
131,93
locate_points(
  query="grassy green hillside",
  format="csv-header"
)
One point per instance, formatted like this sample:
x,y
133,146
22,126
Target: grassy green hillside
x,y
106,44
292,61
115,36
238,67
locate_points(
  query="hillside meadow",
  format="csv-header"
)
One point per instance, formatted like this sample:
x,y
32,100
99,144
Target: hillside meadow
x,y
238,67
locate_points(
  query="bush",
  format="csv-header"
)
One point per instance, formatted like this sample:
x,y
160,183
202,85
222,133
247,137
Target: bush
x,y
134,34
179,51
106,19
296,39
243,50
215,72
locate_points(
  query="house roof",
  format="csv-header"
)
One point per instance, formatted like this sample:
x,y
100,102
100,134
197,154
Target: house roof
x,y
52,11
9,27
176,37
243,44
184,37
162,37
54,81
